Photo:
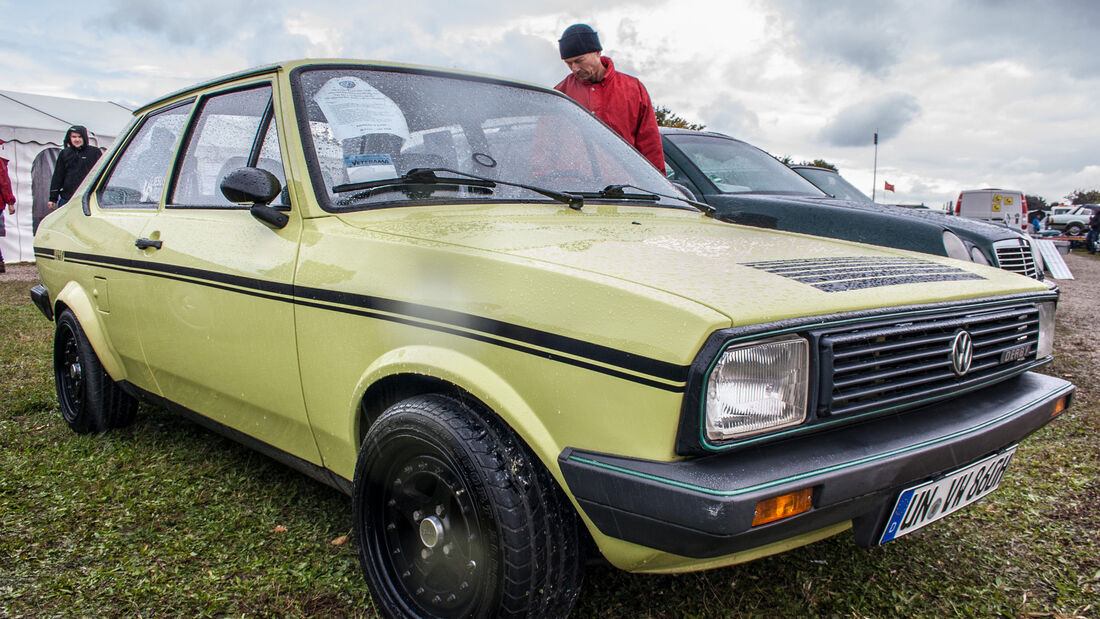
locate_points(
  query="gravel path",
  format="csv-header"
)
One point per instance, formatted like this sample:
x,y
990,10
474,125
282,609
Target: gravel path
x,y
20,272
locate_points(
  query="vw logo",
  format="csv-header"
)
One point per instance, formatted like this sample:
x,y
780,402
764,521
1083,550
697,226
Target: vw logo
x,y
962,353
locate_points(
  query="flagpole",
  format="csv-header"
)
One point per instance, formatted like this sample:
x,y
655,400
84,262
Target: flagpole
x,y
874,175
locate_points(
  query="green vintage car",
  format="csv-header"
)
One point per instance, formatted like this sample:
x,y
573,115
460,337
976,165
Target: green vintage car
x,y
472,307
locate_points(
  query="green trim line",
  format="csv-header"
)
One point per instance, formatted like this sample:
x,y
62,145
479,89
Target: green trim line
x,y
821,471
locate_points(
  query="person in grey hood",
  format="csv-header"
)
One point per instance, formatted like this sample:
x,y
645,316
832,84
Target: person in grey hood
x,y
73,164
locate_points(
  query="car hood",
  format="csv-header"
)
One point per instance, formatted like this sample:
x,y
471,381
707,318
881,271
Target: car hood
x,y
883,214
691,257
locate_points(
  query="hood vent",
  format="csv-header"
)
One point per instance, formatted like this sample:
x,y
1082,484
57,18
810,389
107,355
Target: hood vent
x,y
856,273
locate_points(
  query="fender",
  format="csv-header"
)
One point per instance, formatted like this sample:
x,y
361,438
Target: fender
x,y
471,375
77,299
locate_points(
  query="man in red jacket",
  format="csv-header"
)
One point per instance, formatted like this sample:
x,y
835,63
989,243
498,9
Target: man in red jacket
x,y
618,99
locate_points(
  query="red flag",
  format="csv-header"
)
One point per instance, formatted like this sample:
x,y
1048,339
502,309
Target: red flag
x,y
888,186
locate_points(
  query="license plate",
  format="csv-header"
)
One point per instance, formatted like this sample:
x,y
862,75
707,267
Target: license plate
x,y
930,501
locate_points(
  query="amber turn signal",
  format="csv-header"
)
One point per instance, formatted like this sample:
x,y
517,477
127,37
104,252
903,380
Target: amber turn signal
x,y
1059,406
777,508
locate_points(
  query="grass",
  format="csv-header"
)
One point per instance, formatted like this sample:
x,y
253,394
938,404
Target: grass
x,y
166,519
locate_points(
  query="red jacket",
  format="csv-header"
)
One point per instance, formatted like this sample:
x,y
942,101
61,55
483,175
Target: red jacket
x,y
622,102
6,195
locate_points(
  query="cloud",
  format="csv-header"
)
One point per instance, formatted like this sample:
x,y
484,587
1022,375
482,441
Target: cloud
x,y
856,125
876,36
729,116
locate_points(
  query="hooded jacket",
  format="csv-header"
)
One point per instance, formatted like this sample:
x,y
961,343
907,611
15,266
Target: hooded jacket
x,y
621,101
6,195
72,166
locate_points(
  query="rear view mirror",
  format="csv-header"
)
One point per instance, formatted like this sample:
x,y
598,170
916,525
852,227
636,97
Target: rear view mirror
x,y
259,187
250,185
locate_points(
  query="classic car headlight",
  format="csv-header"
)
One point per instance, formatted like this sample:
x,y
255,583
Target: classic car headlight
x,y
758,387
954,246
977,256
1046,330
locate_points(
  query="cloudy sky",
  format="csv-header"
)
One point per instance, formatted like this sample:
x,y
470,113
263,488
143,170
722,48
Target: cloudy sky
x,y
971,94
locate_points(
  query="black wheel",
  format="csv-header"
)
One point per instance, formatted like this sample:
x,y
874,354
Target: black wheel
x,y
455,517
90,401
1073,230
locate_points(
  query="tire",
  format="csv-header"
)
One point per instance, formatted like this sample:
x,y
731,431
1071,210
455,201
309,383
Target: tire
x,y
1073,229
90,401
455,517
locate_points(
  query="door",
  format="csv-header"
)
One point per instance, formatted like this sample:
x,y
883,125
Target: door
x,y
127,197
219,335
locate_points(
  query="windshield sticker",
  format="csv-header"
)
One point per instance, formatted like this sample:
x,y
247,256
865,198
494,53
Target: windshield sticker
x,y
369,167
354,108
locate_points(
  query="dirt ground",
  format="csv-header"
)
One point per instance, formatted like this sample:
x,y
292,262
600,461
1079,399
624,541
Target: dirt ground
x,y
1077,357
20,272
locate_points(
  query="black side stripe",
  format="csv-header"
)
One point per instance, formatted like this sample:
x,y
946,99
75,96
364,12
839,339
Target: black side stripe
x,y
481,329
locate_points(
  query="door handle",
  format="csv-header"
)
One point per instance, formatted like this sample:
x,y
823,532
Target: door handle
x,y
147,243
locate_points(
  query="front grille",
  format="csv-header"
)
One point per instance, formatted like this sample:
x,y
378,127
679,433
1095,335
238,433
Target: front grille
x,y
1015,255
893,365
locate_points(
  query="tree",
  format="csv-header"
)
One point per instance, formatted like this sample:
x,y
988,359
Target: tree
x,y
1080,196
665,118
821,163
1036,203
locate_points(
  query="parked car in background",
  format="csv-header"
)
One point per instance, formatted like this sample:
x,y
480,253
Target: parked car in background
x,y
468,304
1007,207
831,182
748,186
1074,222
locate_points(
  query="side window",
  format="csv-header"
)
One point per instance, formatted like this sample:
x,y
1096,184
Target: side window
x,y
137,179
272,161
222,139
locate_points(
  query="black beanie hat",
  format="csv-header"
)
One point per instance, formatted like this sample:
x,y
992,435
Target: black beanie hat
x,y
578,39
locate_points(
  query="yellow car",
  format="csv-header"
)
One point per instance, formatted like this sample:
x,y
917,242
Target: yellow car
x,y
472,307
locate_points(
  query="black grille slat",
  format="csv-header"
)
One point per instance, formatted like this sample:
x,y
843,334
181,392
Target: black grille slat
x,y
863,366
914,398
907,362
883,348
1016,256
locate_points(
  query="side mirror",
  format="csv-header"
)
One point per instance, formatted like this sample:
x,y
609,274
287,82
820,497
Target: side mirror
x,y
259,187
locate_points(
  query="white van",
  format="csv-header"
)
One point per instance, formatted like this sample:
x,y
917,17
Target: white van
x,y
1003,206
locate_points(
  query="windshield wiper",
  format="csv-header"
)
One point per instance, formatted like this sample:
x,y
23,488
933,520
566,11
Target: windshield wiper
x,y
427,178
615,192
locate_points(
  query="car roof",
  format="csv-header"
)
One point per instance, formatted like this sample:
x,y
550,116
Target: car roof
x,y
290,65
812,167
679,131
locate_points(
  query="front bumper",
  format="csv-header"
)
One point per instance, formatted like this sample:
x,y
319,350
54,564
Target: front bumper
x,y
704,507
41,298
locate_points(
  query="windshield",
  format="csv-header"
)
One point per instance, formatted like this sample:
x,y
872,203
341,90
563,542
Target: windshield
x,y
373,125
736,167
833,184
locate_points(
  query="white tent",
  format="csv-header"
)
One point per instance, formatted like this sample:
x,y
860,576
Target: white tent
x,y
32,128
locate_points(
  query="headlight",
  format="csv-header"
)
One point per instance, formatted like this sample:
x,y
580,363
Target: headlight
x,y
977,256
758,387
954,246
1046,330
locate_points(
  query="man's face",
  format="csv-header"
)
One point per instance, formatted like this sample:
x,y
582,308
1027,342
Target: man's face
x,y
76,139
586,67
